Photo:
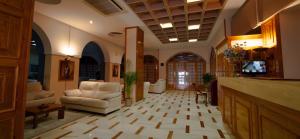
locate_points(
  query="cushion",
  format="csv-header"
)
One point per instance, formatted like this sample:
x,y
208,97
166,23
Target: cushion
x,y
34,87
85,101
37,102
73,93
95,94
30,96
113,87
88,85
44,94
107,96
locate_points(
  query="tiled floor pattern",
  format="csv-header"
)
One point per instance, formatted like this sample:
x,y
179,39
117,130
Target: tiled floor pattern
x,y
172,115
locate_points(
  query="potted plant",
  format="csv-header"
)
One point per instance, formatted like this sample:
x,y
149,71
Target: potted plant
x,y
129,80
207,78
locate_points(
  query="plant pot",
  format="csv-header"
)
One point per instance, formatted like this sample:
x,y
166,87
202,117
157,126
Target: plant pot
x,y
128,102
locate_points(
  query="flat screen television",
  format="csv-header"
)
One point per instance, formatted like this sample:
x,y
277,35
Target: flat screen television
x,y
254,67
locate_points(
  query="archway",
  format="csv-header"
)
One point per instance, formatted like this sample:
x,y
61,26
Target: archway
x,y
150,69
37,58
184,69
92,65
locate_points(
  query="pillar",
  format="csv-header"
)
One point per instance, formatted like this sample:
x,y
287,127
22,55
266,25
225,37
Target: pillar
x,y
134,53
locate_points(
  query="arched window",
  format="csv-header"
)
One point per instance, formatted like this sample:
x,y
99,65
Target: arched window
x,y
92,64
37,58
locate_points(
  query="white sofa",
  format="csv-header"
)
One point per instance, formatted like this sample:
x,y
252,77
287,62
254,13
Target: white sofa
x,y
99,97
36,96
158,87
146,89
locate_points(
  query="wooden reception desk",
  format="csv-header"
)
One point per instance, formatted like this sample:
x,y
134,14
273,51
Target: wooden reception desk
x,y
260,109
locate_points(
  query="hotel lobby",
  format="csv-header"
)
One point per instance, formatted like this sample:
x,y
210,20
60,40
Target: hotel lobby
x,y
149,69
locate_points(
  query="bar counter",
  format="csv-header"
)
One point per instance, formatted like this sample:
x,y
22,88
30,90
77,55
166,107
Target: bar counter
x,y
282,92
260,108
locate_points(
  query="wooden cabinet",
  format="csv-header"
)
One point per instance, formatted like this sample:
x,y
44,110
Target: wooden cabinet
x,y
253,118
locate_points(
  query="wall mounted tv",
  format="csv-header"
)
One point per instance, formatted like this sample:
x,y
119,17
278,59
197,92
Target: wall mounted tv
x,y
254,67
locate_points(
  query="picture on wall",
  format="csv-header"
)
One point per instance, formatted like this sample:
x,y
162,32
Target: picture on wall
x,y
115,70
66,70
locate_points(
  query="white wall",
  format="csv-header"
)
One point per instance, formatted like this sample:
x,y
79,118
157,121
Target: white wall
x,y
166,54
290,37
58,34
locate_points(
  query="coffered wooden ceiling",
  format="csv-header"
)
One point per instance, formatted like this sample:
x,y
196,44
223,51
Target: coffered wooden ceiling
x,y
181,14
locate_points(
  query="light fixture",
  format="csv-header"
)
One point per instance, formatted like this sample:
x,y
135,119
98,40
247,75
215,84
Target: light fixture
x,y
91,21
173,39
68,50
246,42
193,40
193,27
190,1
166,25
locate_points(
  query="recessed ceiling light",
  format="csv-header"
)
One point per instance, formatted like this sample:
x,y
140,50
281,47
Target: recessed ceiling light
x,y
173,39
91,21
193,27
166,25
193,40
190,1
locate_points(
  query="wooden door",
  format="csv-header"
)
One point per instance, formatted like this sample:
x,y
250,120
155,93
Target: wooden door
x,y
15,35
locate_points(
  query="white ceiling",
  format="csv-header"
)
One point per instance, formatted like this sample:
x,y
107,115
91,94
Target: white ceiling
x,y
78,14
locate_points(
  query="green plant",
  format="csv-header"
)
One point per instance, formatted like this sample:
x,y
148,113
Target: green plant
x,y
129,79
207,78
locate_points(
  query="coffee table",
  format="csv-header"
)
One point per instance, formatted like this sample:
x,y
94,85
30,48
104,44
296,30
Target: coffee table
x,y
36,111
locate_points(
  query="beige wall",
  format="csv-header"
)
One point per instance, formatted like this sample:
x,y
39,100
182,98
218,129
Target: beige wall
x,y
290,36
154,53
166,54
57,34
52,72
109,72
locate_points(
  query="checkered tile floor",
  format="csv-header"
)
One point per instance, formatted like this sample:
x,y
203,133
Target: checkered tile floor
x,y
172,115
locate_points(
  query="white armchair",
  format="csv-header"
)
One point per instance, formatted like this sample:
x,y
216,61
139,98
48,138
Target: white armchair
x,y
146,89
158,87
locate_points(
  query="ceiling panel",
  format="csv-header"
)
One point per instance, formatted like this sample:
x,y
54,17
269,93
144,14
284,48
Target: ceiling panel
x,y
180,14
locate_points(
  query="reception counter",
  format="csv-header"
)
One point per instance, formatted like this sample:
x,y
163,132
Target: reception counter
x,y
260,109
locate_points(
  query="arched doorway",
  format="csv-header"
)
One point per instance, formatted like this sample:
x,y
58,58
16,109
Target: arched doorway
x,y
150,69
92,64
183,69
37,58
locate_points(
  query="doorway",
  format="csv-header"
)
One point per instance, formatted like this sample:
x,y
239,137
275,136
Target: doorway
x,y
150,69
183,70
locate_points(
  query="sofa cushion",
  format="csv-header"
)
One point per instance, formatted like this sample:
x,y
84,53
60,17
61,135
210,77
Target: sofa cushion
x,y
38,102
38,95
34,87
109,86
90,102
73,93
30,96
99,94
107,96
88,85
